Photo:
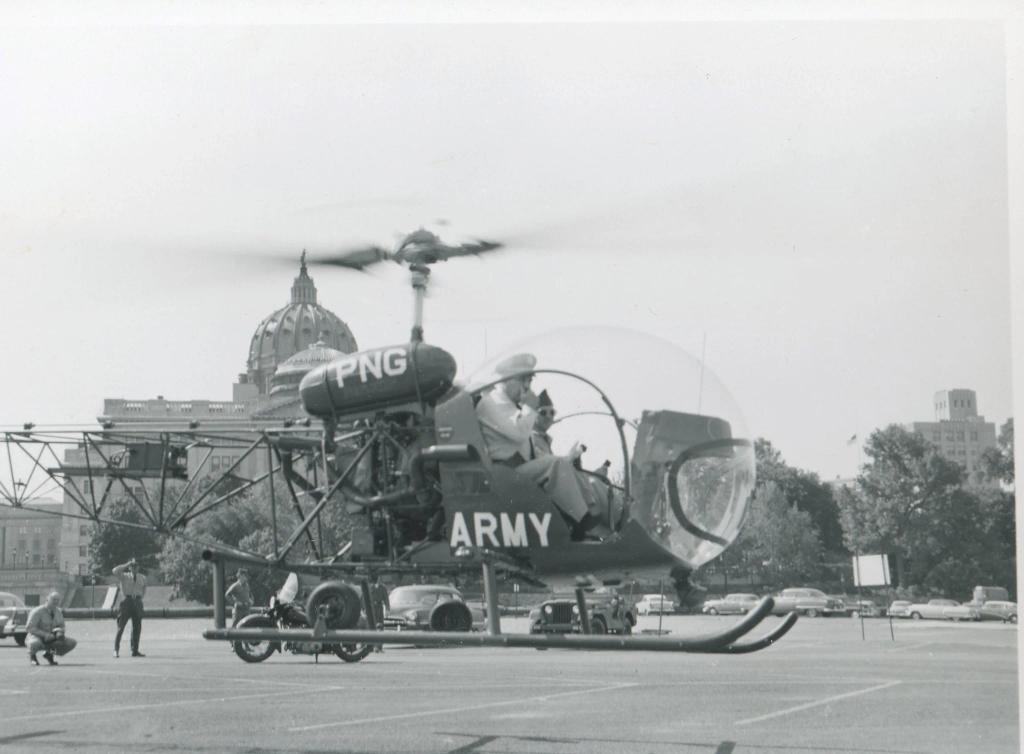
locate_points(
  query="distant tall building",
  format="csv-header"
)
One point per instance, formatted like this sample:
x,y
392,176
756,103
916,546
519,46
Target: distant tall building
x,y
958,430
29,550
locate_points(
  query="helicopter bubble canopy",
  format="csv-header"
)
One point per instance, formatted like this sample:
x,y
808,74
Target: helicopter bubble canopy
x,y
684,440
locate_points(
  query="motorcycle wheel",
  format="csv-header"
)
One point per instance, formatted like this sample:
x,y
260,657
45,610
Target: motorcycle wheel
x,y
254,651
352,652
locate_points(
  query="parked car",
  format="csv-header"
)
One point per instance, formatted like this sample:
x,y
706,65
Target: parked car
x,y
650,604
731,604
423,607
900,608
999,610
13,618
809,602
943,609
867,608
609,613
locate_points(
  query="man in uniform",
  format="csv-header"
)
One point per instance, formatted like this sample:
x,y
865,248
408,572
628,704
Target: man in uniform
x,y
242,596
46,631
132,583
507,422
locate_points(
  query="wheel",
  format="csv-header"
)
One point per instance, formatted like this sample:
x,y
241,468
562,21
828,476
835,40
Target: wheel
x,y
254,651
19,639
598,626
451,616
352,652
712,611
855,614
1013,618
342,603
811,613
915,615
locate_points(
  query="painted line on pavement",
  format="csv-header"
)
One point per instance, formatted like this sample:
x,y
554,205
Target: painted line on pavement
x,y
160,705
905,647
456,710
820,702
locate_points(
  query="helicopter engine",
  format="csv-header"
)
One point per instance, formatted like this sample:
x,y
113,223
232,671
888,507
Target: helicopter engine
x,y
380,404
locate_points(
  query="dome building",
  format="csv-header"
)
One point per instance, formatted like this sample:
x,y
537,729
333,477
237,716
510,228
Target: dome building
x,y
291,329
286,379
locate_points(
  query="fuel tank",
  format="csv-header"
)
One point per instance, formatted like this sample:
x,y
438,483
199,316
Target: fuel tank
x,y
378,377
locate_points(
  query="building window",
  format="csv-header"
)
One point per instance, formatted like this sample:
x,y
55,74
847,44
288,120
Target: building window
x,y
87,486
83,551
83,530
22,530
974,435
39,530
960,435
81,569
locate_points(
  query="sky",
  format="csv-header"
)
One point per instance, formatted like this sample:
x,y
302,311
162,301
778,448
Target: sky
x,y
819,207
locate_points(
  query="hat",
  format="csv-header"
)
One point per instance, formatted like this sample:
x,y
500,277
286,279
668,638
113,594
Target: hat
x,y
544,400
517,365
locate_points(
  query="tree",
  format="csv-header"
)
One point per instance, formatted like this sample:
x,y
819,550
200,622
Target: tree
x,y
780,540
905,495
997,462
112,544
804,490
245,522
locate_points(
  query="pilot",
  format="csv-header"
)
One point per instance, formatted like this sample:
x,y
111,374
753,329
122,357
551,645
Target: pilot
x,y
508,421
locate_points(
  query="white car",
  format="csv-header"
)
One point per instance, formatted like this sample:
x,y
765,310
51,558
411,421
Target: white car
x,y
732,604
651,604
943,609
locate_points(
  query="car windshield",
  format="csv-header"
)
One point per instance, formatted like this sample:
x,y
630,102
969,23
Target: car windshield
x,y
10,600
419,597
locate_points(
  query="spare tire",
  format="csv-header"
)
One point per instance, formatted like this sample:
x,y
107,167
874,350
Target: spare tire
x,y
451,616
342,602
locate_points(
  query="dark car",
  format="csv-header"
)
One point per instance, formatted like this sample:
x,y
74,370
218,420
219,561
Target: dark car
x,y
429,607
13,618
806,601
608,611
999,610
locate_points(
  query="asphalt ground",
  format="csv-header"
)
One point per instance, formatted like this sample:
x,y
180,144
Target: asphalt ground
x,y
939,687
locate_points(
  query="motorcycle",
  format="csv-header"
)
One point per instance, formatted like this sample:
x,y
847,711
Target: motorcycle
x,y
285,612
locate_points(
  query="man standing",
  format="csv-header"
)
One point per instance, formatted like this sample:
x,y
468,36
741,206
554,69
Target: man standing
x,y
381,603
46,631
242,595
132,583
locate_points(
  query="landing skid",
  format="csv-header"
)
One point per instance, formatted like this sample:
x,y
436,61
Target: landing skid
x,y
724,642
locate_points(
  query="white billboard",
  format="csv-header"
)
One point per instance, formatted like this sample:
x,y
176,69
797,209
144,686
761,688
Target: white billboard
x,y
871,570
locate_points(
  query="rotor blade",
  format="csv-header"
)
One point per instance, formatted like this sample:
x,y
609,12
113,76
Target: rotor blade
x,y
354,259
474,248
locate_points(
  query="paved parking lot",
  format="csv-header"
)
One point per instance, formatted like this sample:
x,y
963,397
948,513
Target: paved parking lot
x,y
937,688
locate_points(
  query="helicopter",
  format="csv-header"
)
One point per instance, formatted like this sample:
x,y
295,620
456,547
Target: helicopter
x,y
400,446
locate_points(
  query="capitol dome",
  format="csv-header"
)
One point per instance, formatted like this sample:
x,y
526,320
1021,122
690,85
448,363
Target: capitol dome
x,y
294,328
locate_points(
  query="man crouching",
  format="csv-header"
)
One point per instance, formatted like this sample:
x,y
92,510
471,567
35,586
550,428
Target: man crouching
x,y
46,631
